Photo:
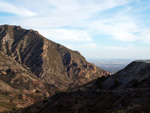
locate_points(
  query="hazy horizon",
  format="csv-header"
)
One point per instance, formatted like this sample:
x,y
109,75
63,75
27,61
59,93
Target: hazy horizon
x,y
96,28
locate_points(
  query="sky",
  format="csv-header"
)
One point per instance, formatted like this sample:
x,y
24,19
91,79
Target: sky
x,y
95,28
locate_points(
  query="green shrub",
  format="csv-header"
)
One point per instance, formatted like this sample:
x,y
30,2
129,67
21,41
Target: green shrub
x,y
99,84
116,83
135,82
99,81
103,78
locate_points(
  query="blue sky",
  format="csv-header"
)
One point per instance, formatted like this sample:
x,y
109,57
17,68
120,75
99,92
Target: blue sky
x,y
96,28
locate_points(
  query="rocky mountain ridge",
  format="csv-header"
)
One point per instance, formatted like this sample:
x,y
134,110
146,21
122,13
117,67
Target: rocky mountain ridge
x,y
46,59
33,67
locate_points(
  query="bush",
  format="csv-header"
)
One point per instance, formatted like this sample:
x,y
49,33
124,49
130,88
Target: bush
x,y
99,84
135,82
99,81
116,83
103,78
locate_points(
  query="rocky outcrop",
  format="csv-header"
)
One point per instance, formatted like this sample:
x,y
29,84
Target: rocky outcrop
x,y
49,61
17,85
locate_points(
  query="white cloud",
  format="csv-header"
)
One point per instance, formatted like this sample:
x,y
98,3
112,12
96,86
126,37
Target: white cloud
x,y
83,46
58,13
10,8
122,27
119,48
66,35
89,46
115,48
74,13
145,35
118,31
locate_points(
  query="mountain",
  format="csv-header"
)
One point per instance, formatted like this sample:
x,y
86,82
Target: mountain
x,y
128,92
49,61
35,67
136,72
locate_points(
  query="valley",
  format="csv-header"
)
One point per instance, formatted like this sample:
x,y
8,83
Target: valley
x,y
111,65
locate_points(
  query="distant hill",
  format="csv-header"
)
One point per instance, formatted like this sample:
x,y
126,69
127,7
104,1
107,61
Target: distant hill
x,y
38,67
137,72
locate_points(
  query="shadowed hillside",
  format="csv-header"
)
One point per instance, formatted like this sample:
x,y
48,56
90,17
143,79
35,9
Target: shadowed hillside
x,y
124,92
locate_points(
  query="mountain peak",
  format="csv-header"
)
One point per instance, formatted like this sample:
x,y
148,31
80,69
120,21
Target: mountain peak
x,y
51,62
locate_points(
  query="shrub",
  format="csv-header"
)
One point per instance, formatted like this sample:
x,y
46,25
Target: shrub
x,y
99,84
116,83
99,81
135,82
103,78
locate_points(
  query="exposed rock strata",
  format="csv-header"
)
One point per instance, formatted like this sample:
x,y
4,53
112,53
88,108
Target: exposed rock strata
x,y
49,61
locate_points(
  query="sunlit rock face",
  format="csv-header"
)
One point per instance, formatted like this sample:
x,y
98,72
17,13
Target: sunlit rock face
x,y
50,62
